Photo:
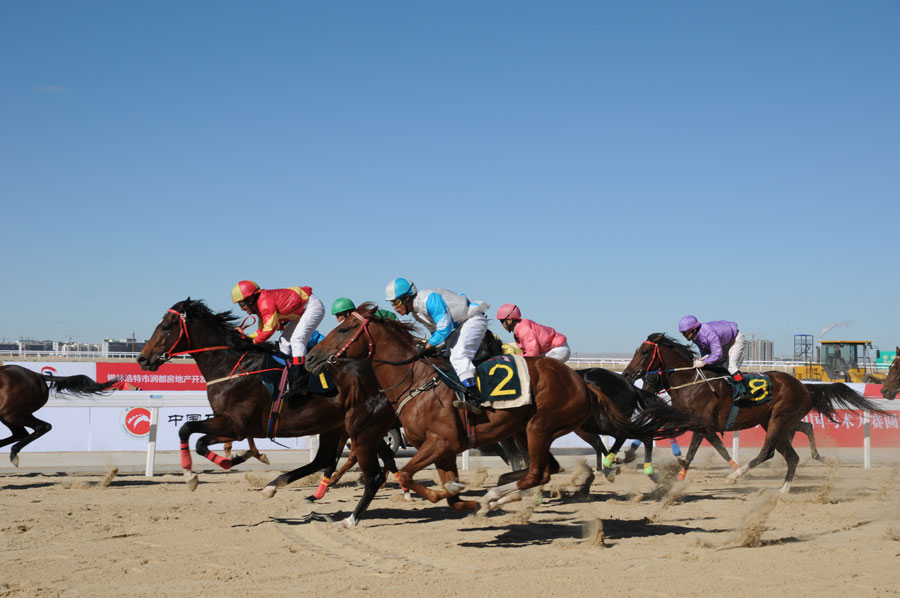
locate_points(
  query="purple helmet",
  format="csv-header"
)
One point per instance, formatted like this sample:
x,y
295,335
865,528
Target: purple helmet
x,y
687,323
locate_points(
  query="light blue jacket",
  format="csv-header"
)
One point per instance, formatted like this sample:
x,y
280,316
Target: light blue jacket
x,y
442,311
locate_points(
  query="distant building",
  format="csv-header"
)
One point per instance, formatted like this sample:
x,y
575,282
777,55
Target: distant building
x,y
122,345
759,350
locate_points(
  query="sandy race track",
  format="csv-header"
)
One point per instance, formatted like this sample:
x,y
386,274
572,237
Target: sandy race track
x,y
836,534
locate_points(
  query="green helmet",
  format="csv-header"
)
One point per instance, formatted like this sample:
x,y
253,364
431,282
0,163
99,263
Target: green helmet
x,y
385,314
341,304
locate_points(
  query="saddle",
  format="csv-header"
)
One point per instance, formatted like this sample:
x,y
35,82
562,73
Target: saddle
x,y
503,381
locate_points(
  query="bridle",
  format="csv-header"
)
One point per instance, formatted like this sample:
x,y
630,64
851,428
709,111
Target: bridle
x,y
183,333
363,327
662,371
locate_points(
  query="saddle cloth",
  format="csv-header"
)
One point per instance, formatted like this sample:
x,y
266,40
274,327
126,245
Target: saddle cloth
x,y
757,391
321,384
504,382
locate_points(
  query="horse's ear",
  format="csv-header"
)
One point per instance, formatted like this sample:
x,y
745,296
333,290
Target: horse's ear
x,y
187,302
898,351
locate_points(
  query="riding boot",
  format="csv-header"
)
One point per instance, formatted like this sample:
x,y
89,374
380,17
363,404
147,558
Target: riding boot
x,y
472,402
298,379
740,386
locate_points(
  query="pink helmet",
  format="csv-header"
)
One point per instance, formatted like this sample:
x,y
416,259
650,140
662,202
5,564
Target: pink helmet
x,y
509,311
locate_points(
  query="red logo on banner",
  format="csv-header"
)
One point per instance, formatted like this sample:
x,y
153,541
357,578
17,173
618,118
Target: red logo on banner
x,y
136,422
48,369
171,376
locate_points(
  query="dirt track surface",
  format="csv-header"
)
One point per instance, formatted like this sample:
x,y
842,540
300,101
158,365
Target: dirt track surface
x,y
837,534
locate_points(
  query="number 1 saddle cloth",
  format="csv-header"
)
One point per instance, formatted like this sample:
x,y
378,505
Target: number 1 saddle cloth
x,y
504,382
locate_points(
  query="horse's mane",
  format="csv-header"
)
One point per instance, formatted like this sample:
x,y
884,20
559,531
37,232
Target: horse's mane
x,y
664,340
224,321
405,331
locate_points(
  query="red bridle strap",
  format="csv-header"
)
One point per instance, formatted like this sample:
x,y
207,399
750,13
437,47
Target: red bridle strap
x,y
364,327
656,354
184,333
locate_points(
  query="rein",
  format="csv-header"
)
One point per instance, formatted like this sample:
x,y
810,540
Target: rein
x,y
699,379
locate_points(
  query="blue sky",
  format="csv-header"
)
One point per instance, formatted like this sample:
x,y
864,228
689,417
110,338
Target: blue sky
x,y
608,166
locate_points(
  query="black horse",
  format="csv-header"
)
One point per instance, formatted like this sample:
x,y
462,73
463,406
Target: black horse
x,y
22,392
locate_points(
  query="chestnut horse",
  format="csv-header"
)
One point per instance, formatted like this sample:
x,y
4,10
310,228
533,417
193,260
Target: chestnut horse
x,y
240,402
419,394
710,397
892,382
22,392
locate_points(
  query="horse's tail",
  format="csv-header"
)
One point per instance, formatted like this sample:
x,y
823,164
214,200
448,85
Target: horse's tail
x,y
79,384
658,420
837,395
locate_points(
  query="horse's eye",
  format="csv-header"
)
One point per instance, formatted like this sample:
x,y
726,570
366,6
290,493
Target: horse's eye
x,y
343,329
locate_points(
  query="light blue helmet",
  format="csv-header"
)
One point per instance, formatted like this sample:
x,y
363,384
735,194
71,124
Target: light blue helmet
x,y
399,288
687,323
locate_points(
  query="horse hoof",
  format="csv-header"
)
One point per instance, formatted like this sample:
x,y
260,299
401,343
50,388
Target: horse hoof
x,y
263,458
730,480
15,460
407,496
309,499
348,523
192,482
454,487
610,474
269,492
681,476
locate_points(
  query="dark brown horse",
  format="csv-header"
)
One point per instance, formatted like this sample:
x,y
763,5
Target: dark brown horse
x,y
240,402
422,400
22,392
706,394
892,382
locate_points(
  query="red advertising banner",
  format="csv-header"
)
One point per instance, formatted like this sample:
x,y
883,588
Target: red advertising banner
x,y
171,376
847,432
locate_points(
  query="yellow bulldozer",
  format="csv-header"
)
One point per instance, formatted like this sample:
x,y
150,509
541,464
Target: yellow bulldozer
x,y
842,361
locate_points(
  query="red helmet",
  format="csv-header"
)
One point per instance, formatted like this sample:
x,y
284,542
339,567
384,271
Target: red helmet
x,y
509,311
243,289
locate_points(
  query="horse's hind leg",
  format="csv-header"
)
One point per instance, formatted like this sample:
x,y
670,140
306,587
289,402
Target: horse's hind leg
x,y
807,428
648,459
325,457
40,428
373,476
792,458
255,453
18,432
430,452
596,443
328,476
717,444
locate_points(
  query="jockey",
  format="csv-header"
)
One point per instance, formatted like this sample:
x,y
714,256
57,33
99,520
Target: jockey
x,y
720,343
534,340
456,324
342,307
295,310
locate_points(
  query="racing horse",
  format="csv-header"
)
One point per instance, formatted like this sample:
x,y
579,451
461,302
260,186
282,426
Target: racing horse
x,y
421,398
892,382
240,402
22,392
710,397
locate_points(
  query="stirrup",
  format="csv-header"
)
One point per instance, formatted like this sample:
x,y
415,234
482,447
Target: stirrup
x,y
473,409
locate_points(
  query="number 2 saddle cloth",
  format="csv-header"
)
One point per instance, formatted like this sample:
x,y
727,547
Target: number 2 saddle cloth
x,y
504,382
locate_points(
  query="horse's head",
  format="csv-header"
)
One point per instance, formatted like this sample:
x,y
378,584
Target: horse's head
x,y
658,352
188,327
170,336
356,337
892,382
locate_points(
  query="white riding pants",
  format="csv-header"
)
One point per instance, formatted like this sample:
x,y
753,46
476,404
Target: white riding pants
x,y
736,353
561,353
297,333
464,343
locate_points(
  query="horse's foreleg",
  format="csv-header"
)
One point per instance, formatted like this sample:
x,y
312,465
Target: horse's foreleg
x,y
21,437
595,443
648,459
791,457
539,470
373,476
387,457
773,430
202,448
696,439
432,450
610,459
325,456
